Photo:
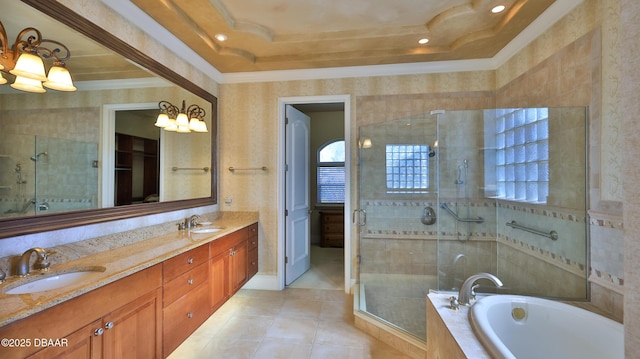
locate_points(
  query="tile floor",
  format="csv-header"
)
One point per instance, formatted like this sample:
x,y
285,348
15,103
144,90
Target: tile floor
x,y
295,323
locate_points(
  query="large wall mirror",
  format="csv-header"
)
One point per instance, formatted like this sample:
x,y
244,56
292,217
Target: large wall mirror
x,y
94,155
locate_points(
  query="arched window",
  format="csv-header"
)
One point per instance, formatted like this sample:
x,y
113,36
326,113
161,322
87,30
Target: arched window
x,y
331,172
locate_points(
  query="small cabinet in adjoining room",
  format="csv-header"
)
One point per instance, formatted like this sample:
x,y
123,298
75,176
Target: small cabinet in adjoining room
x,y
332,228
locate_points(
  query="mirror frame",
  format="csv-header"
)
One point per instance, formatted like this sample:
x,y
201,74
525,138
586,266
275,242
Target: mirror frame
x,y
12,227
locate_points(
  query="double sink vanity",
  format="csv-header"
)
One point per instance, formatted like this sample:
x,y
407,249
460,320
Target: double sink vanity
x,y
141,300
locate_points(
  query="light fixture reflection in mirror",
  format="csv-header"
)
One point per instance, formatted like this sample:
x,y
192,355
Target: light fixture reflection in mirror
x,y
182,120
24,60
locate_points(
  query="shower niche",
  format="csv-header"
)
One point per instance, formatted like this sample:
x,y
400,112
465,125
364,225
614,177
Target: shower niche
x,y
487,169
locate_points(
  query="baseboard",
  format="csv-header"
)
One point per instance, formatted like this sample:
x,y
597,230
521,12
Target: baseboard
x,y
263,282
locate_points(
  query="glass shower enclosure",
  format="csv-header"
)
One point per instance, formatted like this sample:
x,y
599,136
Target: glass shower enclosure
x,y
447,194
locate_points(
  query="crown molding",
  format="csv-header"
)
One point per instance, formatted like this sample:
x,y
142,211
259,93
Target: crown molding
x,y
144,22
550,16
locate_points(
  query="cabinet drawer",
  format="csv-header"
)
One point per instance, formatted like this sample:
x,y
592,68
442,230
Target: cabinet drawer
x,y
333,227
222,244
253,230
183,283
332,217
253,262
253,242
184,315
188,260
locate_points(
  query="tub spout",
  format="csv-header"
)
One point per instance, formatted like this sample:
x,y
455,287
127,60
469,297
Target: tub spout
x,y
464,296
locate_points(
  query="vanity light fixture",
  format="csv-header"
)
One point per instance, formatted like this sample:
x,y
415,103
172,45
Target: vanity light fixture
x,y
24,60
185,120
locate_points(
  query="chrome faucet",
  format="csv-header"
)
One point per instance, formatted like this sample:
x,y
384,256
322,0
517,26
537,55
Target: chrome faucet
x,y
191,222
467,288
22,268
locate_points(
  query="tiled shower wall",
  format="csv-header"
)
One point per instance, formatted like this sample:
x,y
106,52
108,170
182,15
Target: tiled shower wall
x,y
576,70
65,178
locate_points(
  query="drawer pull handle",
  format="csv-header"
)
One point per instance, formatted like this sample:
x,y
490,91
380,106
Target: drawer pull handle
x,y
190,281
254,242
108,325
190,260
190,315
98,332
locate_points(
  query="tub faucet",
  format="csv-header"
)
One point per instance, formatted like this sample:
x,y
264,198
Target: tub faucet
x,y
22,268
467,288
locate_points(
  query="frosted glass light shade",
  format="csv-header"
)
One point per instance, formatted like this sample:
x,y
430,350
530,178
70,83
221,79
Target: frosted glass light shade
x,y
28,85
30,66
201,127
162,120
193,123
59,79
182,120
173,127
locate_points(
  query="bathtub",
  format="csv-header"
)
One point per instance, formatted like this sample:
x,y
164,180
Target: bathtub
x,y
511,326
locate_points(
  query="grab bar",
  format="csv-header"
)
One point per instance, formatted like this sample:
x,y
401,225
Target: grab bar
x,y
552,234
472,220
206,169
263,168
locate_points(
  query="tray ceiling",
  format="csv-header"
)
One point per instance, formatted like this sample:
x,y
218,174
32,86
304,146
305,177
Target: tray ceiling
x,y
308,34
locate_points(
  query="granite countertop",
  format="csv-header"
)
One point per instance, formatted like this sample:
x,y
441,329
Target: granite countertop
x,y
118,261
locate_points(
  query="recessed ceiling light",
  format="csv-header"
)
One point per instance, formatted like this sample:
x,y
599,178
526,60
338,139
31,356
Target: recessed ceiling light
x,y
423,41
497,9
221,37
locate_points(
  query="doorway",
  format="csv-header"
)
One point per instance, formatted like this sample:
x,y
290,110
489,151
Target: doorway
x,y
319,108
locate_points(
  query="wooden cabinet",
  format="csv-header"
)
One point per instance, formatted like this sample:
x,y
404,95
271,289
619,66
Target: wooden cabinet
x,y
332,228
147,314
120,320
233,259
83,343
132,331
186,302
219,277
253,250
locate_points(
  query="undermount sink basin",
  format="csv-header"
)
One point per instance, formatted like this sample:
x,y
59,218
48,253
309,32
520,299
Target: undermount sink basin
x,y
206,230
48,281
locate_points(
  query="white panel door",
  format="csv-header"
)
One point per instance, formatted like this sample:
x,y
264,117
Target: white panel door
x,y
297,242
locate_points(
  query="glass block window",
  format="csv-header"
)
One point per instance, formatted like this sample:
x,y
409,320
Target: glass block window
x,y
522,154
407,167
330,177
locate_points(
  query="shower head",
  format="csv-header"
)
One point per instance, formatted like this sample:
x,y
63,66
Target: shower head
x,y
37,157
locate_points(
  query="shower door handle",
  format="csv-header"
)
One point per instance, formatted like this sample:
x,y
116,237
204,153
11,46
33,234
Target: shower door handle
x,y
361,221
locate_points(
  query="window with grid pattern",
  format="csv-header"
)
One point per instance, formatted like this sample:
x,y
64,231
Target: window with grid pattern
x,y
407,167
522,154
330,176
